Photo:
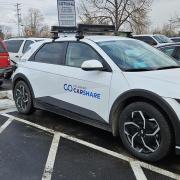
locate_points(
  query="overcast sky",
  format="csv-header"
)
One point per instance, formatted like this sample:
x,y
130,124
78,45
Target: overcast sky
x,y
162,11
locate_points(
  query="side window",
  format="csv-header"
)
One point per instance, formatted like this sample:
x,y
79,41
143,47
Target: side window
x,y
138,38
51,53
149,40
77,53
169,50
27,45
14,45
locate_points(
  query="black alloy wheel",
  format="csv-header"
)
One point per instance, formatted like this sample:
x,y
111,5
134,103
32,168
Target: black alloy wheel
x,y
23,98
145,132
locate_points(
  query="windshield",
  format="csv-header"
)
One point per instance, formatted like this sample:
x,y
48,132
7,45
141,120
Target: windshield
x,y
162,39
133,55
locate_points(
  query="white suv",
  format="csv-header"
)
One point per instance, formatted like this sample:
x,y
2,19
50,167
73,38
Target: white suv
x,y
18,46
118,84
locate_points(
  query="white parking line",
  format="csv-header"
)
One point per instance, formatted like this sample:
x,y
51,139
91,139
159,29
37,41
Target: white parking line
x,y
51,158
101,149
138,172
5,125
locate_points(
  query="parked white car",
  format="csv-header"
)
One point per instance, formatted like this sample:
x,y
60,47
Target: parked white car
x,y
118,84
153,39
18,46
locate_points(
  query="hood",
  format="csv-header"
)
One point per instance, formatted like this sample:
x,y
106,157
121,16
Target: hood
x,y
165,83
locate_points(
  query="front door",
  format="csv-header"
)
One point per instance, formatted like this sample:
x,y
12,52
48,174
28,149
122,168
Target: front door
x,y
84,92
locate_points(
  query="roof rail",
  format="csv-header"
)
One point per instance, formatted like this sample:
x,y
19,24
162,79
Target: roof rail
x,y
81,29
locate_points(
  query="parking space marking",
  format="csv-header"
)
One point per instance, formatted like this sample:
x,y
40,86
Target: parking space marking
x,y
51,157
101,149
6,124
138,172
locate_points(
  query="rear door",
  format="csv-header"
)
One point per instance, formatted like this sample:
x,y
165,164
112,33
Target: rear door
x,y
42,69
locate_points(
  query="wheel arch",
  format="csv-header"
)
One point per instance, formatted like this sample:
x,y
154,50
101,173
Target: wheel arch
x,y
139,95
22,77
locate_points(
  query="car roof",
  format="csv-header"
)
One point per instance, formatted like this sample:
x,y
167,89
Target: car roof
x,y
93,38
30,38
151,35
168,44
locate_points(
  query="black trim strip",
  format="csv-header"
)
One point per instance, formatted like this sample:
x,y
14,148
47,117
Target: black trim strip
x,y
72,111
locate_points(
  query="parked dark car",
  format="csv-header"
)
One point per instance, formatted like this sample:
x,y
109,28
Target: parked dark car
x,y
172,50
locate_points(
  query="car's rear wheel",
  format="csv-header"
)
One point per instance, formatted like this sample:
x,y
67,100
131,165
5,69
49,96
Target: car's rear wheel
x,y
23,98
145,132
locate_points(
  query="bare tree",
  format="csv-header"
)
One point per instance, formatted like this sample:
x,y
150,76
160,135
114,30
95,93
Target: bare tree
x,y
139,22
33,23
170,28
116,12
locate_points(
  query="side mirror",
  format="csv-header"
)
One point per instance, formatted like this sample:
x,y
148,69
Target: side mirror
x,y
92,65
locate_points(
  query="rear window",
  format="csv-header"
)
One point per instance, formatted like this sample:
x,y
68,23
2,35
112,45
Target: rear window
x,y
2,49
14,45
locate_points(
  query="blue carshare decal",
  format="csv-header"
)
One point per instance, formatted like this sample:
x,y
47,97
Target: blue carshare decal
x,y
82,91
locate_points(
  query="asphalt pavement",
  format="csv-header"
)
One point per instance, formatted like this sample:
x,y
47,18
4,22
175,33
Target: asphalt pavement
x,y
47,146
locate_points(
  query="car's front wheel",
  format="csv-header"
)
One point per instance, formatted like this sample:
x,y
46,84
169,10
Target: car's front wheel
x,y
23,98
145,132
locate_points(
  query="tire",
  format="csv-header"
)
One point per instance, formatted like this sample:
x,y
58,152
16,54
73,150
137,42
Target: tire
x,y
23,98
145,132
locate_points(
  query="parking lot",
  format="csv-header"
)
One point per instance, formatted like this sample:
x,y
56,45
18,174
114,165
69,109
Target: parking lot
x,y
47,146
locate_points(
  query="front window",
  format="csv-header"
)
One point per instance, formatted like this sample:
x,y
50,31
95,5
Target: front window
x,y
132,55
162,39
79,52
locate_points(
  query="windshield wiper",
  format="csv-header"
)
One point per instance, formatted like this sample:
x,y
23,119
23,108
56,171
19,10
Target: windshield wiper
x,y
168,67
139,70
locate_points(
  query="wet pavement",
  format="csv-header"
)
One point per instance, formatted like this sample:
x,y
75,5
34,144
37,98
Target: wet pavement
x,y
69,150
